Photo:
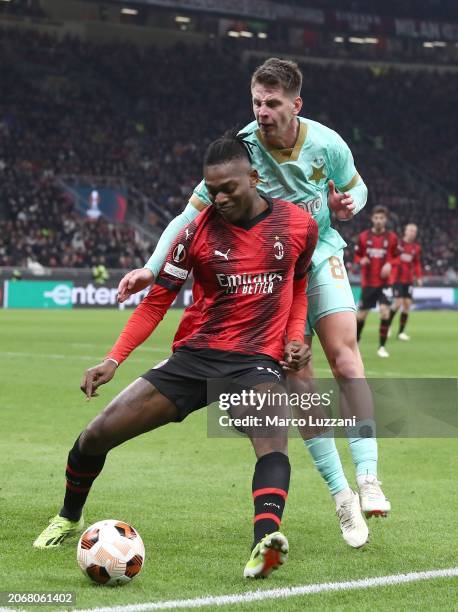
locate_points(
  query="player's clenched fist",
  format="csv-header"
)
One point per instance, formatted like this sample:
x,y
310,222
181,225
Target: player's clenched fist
x,y
96,376
341,204
297,356
133,282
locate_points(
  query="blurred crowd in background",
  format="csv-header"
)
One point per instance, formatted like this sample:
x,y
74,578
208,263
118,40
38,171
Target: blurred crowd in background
x,y
143,117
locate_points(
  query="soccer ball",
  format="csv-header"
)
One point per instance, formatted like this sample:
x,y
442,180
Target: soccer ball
x,y
110,552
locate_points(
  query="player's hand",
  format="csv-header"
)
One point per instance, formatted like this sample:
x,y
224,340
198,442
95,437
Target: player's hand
x,y
133,282
297,356
386,270
341,204
364,261
96,376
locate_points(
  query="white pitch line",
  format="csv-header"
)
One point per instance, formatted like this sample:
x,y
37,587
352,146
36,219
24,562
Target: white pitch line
x,y
253,596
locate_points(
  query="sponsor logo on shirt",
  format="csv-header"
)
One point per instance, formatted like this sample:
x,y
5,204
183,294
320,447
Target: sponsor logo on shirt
x,y
376,253
225,255
406,257
249,282
313,207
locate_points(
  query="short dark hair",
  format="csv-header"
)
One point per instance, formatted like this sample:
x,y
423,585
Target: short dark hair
x,y
380,210
279,72
230,146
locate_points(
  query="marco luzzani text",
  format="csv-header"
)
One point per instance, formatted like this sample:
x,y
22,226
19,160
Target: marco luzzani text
x,y
263,402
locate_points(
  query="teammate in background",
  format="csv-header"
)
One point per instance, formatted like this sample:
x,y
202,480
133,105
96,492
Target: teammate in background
x,y
310,165
249,255
376,253
407,269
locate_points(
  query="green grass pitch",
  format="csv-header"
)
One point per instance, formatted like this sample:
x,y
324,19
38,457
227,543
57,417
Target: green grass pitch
x,y
190,496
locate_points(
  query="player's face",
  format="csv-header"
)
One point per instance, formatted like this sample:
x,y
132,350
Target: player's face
x,y
232,188
379,222
410,232
275,111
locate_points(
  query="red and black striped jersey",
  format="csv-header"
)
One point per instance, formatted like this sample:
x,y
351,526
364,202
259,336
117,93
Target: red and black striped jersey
x,y
243,280
379,249
408,263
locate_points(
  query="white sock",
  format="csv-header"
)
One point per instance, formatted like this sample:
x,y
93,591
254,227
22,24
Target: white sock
x,y
343,495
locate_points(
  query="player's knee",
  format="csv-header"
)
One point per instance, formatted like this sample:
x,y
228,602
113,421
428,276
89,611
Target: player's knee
x,y
95,439
346,364
264,446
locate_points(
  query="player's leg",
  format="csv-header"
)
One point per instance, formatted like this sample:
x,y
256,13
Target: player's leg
x,y
361,317
326,459
329,291
320,443
336,332
406,303
270,486
396,304
137,409
384,309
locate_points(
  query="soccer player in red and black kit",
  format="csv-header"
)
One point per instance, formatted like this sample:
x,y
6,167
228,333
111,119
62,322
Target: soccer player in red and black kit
x,y
407,268
375,253
249,256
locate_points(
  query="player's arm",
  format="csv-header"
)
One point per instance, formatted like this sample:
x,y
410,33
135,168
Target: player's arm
x,y
395,261
391,256
360,256
347,190
139,279
297,353
418,270
143,321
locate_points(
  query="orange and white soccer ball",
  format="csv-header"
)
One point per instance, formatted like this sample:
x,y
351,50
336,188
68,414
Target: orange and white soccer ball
x,y
111,552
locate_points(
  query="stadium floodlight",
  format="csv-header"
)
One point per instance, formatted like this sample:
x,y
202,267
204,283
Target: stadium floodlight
x,y
246,34
233,34
262,34
356,40
338,39
182,19
371,41
129,11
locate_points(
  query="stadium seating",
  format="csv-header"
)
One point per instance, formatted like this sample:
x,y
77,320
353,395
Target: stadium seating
x,y
71,108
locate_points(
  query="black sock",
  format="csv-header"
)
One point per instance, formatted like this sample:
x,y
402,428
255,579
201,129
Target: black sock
x,y
392,315
81,472
383,331
403,321
270,490
359,328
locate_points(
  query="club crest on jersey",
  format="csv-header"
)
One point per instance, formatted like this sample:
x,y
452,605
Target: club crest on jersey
x,y
179,253
279,250
318,170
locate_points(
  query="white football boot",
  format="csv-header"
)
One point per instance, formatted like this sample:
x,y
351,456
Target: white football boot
x,y
382,352
373,500
403,336
352,523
